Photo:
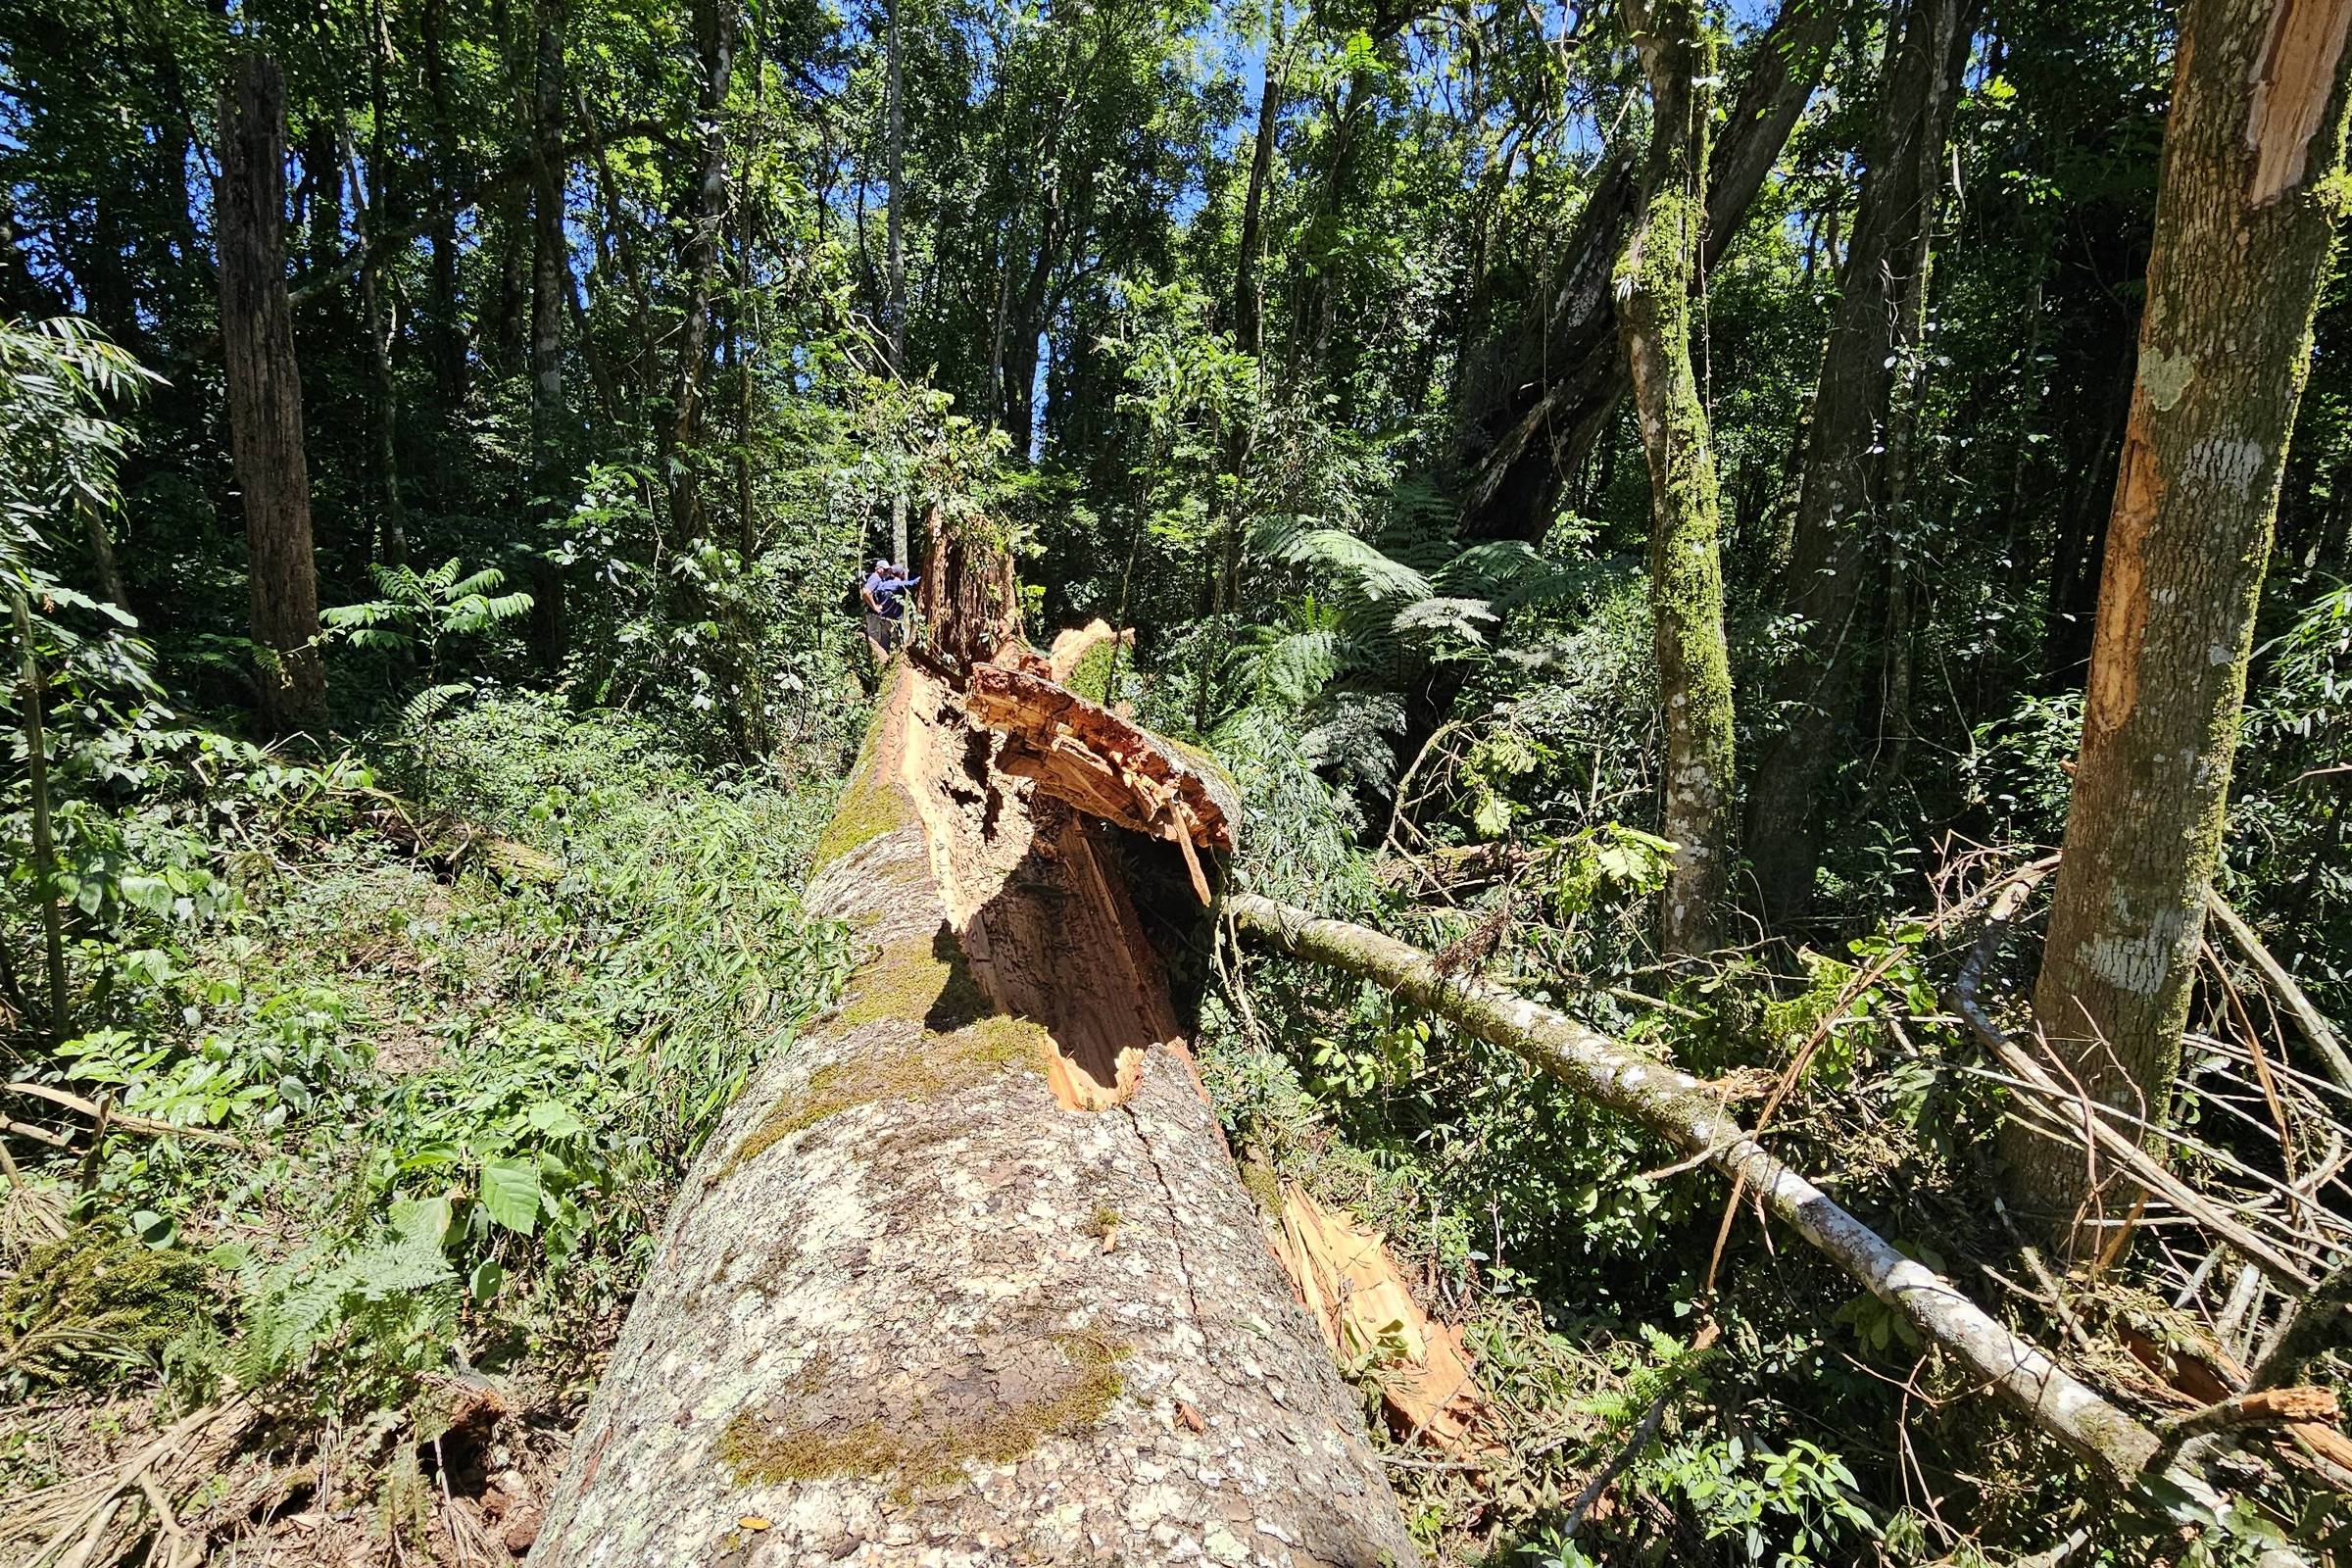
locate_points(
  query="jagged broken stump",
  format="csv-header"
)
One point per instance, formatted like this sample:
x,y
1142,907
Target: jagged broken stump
x,y
968,1276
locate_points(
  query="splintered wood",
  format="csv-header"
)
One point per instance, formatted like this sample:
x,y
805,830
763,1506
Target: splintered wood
x,y
1084,754
1348,1281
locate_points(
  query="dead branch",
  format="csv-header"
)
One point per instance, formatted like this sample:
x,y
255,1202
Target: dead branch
x,y
2264,1408
1673,1106
113,1120
2282,985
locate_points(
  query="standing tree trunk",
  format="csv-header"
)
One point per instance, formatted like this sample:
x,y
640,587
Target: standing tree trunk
x,y
550,288
2244,217
1249,289
969,1275
896,254
264,395
1686,571
1841,521
715,32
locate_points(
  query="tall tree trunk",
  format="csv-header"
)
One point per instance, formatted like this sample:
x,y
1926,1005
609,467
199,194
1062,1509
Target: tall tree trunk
x,y
1248,290
1686,571
447,338
2242,234
714,32
551,284
390,541
264,395
1841,527
967,1274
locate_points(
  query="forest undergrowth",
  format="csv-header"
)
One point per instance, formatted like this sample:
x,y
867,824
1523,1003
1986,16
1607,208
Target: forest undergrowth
x,y
439,1069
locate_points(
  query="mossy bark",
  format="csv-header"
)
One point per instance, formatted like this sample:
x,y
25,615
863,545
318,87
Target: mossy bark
x,y
888,1322
2251,186
1686,567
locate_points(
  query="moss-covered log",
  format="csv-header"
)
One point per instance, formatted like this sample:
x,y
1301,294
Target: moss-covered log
x,y
967,1275
1673,1106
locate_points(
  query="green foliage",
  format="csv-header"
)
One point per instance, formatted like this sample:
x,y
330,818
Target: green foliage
x,y
96,1303
475,1095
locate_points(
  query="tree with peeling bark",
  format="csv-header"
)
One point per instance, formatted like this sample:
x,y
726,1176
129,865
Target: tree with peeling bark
x,y
2251,190
1653,282
968,1271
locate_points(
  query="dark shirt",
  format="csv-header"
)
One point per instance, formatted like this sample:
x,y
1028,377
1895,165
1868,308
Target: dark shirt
x,y
886,591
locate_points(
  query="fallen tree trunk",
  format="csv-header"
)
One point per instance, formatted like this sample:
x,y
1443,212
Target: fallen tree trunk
x,y
967,1275
1674,1105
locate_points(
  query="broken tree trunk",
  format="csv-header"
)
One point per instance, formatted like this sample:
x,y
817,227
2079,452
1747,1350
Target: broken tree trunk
x,y
967,1275
1674,1106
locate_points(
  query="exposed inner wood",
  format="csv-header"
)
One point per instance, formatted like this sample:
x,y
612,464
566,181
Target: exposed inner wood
x,y
1044,922
1088,757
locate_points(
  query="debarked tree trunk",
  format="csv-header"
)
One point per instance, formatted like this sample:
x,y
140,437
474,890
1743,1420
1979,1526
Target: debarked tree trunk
x,y
967,1275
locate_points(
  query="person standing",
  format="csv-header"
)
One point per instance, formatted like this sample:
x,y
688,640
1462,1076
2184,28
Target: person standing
x,y
885,608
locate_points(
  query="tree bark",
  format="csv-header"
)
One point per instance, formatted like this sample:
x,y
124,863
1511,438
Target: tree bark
x,y
264,395
2243,226
714,31
967,1275
1841,521
1686,571
551,286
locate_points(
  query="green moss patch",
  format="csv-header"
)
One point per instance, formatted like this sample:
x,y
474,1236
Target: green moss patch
x,y
918,978
871,804
937,1064
927,1446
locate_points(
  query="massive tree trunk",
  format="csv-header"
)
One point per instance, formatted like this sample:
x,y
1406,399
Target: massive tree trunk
x,y
2243,216
1841,523
967,1275
715,32
550,288
264,395
1685,569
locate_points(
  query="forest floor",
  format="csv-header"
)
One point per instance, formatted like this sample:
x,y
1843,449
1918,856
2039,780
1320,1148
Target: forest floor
x,y
527,1003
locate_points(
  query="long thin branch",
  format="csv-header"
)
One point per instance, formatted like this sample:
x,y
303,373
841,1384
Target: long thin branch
x,y
2110,1141
2316,1027
1673,1106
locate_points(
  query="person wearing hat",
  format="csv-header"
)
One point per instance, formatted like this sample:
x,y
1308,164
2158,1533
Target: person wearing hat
x,y
885,611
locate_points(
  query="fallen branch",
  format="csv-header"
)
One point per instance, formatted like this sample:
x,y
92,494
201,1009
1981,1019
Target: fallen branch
x,y
2282,985
115,1119
2093,1124
1672,1104
2264,1408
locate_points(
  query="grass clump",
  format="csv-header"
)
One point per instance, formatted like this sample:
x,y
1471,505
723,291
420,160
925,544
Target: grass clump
x,y
918,1451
